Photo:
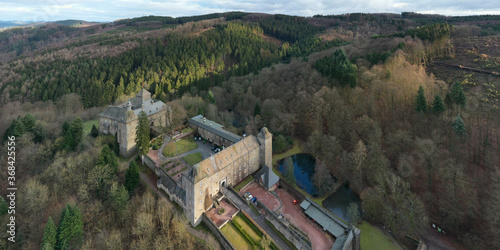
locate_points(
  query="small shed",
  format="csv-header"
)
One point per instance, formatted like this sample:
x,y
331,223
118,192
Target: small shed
x,y
267,178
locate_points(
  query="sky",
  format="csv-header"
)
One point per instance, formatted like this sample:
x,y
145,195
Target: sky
x,y
106,11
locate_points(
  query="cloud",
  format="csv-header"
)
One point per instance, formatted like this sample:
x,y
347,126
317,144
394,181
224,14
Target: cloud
x,y
97,10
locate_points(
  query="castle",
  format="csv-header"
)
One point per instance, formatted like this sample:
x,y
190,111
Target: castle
x,y
122,120
197,187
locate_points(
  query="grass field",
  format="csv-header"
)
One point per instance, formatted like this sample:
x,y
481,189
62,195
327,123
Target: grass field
x,y
186,130
243,183
179,147
87,126
247,227
192,158
373,238
234,236
293,151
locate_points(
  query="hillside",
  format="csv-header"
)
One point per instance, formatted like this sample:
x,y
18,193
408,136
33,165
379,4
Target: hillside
x,y
371,96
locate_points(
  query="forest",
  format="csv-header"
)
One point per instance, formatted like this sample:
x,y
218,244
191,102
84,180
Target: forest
x,y
418,141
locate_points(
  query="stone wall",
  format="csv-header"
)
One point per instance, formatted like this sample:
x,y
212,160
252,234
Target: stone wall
x,y
289,234
300,196
222,239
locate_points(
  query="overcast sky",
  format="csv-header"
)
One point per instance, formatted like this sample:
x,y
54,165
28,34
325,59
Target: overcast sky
x,y
104,11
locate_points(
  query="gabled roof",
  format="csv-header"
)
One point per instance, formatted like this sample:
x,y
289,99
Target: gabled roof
x,y
268,177
217,162
117,113
324,218
142,102
172,187
215,128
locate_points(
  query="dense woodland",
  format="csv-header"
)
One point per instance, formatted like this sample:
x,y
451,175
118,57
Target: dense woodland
x,y
354,90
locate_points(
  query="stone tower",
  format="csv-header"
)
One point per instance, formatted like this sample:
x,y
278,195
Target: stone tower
x,y
265,139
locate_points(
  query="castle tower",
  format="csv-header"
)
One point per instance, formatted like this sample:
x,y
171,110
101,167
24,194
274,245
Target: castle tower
x,y
265,139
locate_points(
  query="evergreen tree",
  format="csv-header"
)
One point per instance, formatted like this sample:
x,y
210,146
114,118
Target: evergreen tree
x,y
132,177
142,134
28,121
16,129
4,207
421,102
459,126
256,110
108,157
70,229
94,132
49,235
39,132
76,129
458,94
210,96
438,105
119,197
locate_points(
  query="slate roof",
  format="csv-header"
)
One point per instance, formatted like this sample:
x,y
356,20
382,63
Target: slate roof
x,y
151,108
215,128
120,113
324,218
217,162
269,178
115,113
172,187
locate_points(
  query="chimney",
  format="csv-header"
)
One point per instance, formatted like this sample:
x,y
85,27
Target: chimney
x,y
204,119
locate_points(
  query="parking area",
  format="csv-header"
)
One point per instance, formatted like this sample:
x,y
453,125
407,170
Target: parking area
x,y
256,190
220,218
293,213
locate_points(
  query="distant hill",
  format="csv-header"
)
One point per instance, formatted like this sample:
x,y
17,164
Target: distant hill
x,y
8,24
75,23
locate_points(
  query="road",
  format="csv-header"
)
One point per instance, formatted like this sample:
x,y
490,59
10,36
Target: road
x,y
260,219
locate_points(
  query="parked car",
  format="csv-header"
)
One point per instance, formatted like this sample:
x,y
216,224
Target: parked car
x,y
214,147
295,202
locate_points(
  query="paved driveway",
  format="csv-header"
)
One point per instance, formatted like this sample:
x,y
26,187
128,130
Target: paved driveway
x,y
260,219
294,214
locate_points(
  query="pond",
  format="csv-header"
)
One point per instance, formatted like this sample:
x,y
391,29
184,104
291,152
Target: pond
x,y
337,203
303,171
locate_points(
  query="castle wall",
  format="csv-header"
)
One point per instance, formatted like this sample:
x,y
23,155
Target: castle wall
x,y
211,137
208,187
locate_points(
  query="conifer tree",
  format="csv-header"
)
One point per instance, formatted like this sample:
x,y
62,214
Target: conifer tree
x,y
256,110
459,126
142,134
458,94
94,132
421,102
132,177
49,235
119,197
438,106
70,228
108,157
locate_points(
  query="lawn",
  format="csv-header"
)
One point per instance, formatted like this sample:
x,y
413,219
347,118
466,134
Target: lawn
x,y
186,130
234,236
247,227
179,147
87,126
293,151
192,158
243,183
374,238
